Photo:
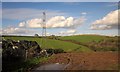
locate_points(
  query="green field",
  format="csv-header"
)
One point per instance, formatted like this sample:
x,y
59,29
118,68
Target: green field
x,y
50,43
85,38
68,46
77,43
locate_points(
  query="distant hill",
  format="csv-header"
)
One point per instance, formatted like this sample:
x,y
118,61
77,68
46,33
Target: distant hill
x,y
85,38
94,42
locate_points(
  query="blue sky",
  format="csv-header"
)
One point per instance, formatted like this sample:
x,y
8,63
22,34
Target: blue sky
x,y
69,17
60,0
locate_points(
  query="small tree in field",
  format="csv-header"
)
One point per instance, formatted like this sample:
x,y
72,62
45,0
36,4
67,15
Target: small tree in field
x,y
36,35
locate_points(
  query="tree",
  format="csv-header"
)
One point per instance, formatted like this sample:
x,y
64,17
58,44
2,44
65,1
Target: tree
x,y
54,37
36,35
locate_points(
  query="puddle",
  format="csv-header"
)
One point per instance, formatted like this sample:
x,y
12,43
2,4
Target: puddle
x,y
55,66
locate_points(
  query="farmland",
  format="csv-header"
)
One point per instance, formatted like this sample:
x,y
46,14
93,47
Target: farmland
x,y
89,51
86,38
94,42
77,43
50,43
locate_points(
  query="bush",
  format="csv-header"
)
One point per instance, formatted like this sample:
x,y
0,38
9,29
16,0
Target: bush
x,y
56,51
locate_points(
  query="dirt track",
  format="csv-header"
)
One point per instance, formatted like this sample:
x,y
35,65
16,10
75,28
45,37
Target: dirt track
x,y
87,61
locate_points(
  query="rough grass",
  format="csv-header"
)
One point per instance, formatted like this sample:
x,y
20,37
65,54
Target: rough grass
x,y
85,38
50,43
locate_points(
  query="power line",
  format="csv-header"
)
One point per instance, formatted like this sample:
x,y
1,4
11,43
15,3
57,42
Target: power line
x,y
44,30
44,25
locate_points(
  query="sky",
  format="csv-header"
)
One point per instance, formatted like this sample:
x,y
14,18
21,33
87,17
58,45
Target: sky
x,y
62,18
60,0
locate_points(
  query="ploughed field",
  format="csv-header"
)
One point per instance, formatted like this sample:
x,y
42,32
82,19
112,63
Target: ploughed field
x,y
86,61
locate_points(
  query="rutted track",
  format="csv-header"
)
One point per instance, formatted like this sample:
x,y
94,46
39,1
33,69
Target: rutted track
x,y
87,61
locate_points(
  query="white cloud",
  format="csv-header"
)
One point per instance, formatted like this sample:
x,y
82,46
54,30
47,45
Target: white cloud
x,y
83,13
68,32
100,27
108,22
48,34
15,30
60,21
54,22
0,31
28,13
22,24
34,23
71,31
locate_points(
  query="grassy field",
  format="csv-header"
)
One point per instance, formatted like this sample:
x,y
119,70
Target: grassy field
x,y
66,45
85,38
75,44
50,43
94,42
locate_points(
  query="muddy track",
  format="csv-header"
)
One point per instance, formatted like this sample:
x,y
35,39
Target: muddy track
x,y
87,61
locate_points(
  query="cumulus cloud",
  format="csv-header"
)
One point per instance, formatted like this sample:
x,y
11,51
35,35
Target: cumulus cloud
x,y
54,22
71,31
60,21
68,32
110,21
15,30
22,24
100,27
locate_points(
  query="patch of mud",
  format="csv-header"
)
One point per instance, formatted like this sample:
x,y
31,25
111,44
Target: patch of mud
x,y
87,61
55,66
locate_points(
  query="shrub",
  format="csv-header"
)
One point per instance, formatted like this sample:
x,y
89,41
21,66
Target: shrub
x,y
56,51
